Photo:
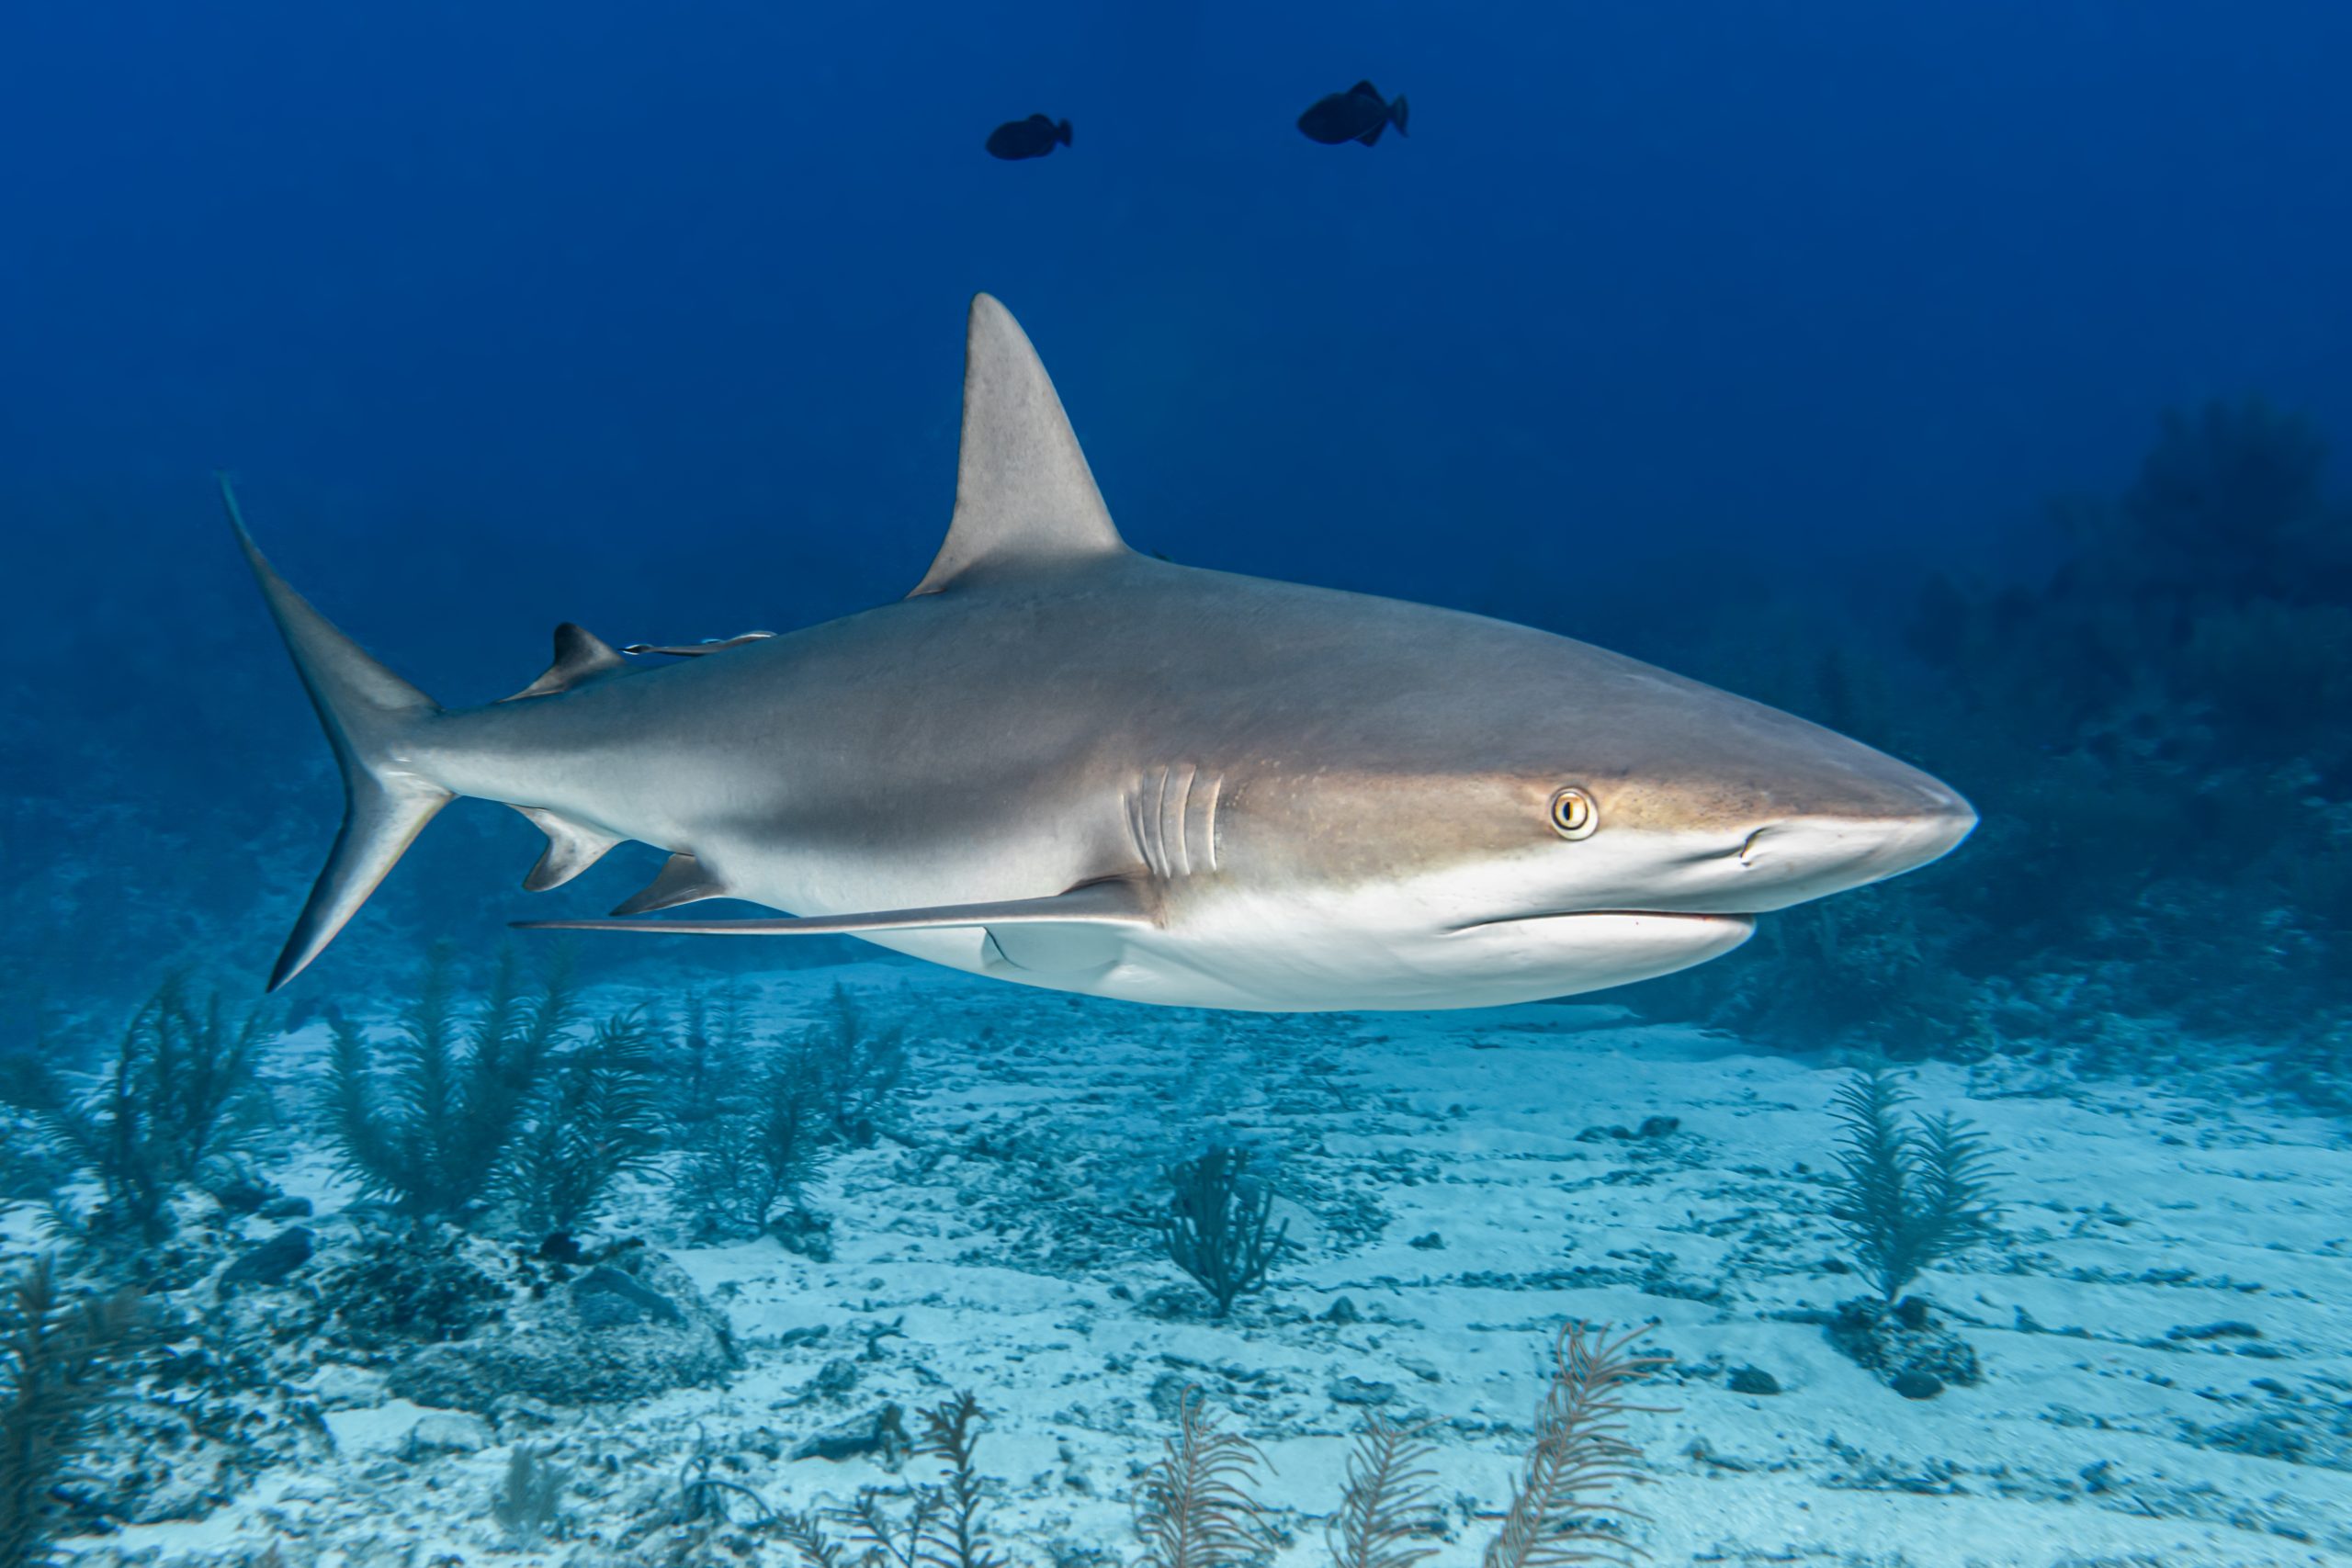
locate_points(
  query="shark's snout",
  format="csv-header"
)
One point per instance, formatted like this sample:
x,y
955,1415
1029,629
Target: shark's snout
x,y
1798,858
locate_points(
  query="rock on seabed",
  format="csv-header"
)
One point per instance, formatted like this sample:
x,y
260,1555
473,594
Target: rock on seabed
x,y
625,1330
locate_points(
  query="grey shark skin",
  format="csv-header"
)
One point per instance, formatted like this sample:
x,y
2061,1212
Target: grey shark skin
x,y
1063,764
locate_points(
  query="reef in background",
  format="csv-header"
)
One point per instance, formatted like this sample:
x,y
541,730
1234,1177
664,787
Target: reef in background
x,y
2158,735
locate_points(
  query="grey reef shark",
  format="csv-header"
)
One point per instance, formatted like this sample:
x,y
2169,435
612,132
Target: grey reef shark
x,y
1061,762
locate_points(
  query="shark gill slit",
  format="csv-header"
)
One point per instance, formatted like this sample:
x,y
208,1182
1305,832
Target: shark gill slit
x,y
1174,805
1136,831
1171,817
1156,824
1209,818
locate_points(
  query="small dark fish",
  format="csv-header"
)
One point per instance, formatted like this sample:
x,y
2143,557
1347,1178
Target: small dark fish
x,y
1031,138
1360,114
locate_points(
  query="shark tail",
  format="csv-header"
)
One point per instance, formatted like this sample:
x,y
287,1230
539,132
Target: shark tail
x,y
1396,112
372,718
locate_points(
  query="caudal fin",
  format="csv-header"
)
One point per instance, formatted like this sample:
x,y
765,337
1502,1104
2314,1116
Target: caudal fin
x,y
1061,133
1397,113
372,718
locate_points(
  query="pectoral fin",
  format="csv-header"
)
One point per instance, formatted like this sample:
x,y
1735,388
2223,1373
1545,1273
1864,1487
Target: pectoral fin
x,y
1098,904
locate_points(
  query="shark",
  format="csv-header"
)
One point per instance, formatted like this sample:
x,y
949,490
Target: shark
x,y
1066,764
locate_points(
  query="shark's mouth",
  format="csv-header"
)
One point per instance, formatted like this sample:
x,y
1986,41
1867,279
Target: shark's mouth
x,y
1570,951
1691,916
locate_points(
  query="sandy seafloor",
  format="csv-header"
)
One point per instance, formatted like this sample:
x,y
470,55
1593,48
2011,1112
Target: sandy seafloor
x,y
1431,1168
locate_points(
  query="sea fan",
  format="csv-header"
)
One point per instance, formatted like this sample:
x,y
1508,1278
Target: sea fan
x,y
1561,1513
1388,1494
599,1120
937,1525
528,1503
1193,1508
183,1084
1215,1226
437,1130
60,1359
705,1061
1907,1196
864,1068
960,1538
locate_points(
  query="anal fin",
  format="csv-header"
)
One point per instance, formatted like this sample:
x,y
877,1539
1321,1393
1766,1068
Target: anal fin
x,y
682,880
573,848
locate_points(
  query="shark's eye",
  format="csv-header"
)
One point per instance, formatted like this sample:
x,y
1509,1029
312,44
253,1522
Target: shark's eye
x,y
1574,816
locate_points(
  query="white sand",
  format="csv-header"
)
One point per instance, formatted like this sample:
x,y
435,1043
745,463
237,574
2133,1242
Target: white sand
x,y
1026,1275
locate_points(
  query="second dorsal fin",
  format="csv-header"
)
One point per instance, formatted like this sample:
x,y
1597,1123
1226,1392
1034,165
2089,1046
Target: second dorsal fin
x,y
581,656
1024,493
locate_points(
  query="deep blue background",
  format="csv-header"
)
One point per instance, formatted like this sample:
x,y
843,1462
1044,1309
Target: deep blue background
x,y
650,317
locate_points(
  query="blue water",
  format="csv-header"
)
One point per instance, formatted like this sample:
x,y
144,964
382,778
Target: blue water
x,y
509,319
1826,353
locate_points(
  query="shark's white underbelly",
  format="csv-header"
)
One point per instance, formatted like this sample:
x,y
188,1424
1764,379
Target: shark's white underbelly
x,y
1284,957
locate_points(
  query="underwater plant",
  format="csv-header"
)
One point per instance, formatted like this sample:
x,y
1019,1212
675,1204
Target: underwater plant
x,y
760,1147
183,1084
940,1524
433,1130
598,1118
1907,1195
1389,1497
528,1504
753,1136
960,1539
1560,1513
1214,1225
861,1068
1194,1506
705,1061
60,1360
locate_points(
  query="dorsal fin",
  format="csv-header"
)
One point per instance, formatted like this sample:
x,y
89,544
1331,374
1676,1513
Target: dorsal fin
x,y
581,656
1024,493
